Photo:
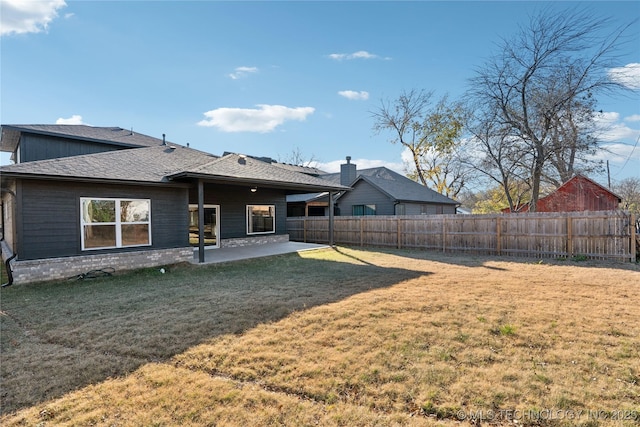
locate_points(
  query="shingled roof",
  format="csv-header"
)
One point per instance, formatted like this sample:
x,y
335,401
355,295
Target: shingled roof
x,y
106,135
396,186
165,164
142,165
239,168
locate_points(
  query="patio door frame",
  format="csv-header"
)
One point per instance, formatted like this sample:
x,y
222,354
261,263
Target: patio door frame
x,y
193,206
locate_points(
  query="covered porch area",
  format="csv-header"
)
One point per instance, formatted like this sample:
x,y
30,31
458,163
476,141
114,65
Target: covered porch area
x,y
248,197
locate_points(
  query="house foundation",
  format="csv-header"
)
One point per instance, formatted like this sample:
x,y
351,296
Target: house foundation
x,y
40,270
254,240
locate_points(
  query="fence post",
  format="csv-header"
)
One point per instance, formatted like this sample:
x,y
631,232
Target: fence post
x,y
632,224
444,234
399,236
569,236
304,230
498,235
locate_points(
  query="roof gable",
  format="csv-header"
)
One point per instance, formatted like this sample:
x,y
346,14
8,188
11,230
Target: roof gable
x,y
396,186
575,180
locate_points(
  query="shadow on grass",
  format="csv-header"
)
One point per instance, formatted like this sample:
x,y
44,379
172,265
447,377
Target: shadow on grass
x,y
58,337
480,260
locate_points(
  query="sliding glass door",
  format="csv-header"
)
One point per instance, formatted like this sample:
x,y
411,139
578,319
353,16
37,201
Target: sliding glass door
x,y
211,225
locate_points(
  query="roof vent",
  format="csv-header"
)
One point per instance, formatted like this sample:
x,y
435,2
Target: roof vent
x,y
164,142
242,159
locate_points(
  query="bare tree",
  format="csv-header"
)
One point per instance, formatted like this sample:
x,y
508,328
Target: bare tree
x,y
297,158
537,84
499,157
629,190
431,132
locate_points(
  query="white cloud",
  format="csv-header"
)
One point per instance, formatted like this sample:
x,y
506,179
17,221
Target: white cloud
x,y
334,165
618,153
354,95
20,16
241,72
263,119
632,118
361,54
629,75
612,129
73,120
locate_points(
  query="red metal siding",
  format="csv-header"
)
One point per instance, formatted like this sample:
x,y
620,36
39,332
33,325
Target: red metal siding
x,y
576,195
579,194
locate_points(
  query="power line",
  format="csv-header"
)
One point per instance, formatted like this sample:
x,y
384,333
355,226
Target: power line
x,y
629,156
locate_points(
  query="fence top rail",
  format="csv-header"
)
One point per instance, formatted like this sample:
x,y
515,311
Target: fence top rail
x,y
581,214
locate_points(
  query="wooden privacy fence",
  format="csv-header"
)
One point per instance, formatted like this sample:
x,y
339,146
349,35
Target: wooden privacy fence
x,y
595,235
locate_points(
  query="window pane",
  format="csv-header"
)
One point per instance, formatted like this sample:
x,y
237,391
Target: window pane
x,y
99,236
99,211
134,210
261,219
135,234
358,210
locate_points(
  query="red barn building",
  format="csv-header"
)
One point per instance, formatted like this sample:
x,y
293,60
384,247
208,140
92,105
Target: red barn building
x,y
578,194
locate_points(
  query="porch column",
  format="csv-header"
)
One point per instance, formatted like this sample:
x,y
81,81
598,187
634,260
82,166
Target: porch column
x,y
331,243
200,221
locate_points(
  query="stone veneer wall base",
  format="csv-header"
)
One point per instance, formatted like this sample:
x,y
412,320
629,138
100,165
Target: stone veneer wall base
x,y
41,270
254,240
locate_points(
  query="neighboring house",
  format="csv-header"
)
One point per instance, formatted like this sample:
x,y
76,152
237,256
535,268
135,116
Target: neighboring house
x,y
106,197
577,194
375,191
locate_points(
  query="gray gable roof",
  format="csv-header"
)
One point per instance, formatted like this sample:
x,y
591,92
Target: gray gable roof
x,y
105,135
396,186
141,165
165,164
245,169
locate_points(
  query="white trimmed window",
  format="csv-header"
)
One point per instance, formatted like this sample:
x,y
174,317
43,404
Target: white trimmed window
x,y
261,219
114,223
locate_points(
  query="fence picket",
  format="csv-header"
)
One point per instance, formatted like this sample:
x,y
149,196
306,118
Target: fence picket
x,y
594,235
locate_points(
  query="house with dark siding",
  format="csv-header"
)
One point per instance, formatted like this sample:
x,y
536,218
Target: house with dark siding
x,y
80,198
374,191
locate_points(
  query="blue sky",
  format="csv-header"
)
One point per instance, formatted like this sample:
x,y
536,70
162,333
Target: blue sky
x,y
268,78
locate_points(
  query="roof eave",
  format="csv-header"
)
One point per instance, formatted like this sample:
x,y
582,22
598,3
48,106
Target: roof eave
x,y
311,188
22,130
45,177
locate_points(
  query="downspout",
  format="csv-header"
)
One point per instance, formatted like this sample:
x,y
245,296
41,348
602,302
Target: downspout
x,y
7,263
9,272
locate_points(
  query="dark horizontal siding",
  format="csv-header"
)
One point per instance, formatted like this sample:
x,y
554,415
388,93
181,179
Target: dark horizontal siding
x,y
41,147
49,224
233,201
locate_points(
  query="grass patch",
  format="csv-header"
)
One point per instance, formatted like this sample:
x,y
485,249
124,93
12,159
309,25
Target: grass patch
x,y
348,337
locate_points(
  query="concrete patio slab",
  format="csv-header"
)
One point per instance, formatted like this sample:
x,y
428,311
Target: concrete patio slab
x,y
219,255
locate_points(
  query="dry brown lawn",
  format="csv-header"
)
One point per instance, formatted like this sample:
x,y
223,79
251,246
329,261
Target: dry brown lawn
x,y
332,337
